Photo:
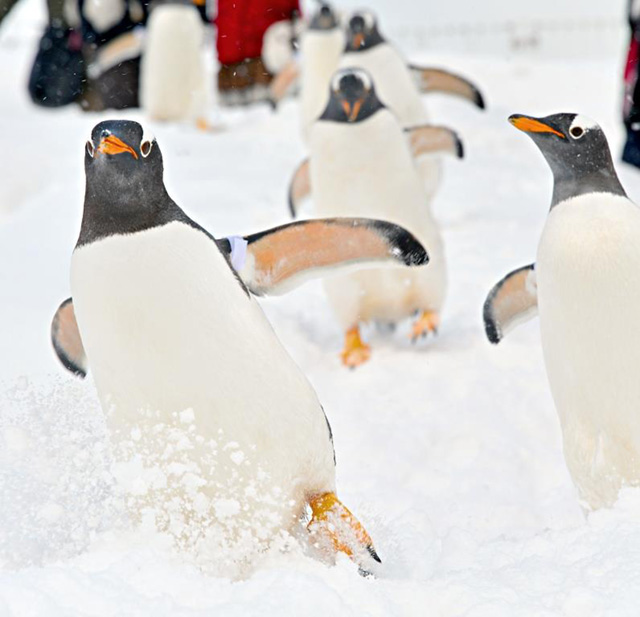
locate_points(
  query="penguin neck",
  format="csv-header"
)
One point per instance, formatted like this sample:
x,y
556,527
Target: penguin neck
x,y
335,113
567,185
123,213
372,40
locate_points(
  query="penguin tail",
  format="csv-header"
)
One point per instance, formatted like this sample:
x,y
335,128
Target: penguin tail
x,y
333,526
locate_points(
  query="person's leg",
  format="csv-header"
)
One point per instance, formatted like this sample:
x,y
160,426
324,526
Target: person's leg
x,y
631,102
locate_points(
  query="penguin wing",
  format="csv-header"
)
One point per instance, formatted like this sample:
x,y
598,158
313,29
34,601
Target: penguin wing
x,y
283,83
299,187
277,260
429,79
430,139
66,340
514,300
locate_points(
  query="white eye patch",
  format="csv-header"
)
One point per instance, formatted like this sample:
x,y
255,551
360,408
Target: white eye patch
x,y
147,137
369,19
580,125
361,74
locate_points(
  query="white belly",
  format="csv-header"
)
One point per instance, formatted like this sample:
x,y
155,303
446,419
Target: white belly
x,y
366,169
392,80
320,53
396,89
167,328
588,274
172,81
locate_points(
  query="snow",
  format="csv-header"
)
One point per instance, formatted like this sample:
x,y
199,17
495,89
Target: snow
x,y
449,452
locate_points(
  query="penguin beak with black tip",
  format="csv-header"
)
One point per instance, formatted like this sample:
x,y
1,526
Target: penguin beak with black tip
x,y
529,124
110,144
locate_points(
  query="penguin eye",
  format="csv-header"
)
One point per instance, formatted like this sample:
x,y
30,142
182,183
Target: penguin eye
x,y
576,132
90,148
145,148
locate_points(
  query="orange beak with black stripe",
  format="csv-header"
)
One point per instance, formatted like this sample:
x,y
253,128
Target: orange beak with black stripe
x,y
114,145
358,40
533,125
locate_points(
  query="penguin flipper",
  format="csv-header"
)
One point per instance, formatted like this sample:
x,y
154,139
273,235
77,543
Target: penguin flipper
x,y
282,258
512,301
299,187
334,525
282,83
431,139
66,340
429,79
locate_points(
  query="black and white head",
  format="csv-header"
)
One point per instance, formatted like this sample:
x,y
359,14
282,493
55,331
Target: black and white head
x,y
362,31
577,152
324,18
352,97
125,190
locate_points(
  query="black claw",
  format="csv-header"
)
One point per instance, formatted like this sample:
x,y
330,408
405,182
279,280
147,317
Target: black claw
x,y
372,552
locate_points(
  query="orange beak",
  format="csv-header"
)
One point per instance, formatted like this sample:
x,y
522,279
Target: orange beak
x,y
113,145
358,40
352,112
531,125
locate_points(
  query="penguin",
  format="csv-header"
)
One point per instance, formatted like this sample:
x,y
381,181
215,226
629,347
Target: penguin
x,y
173,83
321,45
362,164
400,85
585,288
320,48
164,314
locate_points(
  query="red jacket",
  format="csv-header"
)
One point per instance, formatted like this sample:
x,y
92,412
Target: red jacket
x,y
242,23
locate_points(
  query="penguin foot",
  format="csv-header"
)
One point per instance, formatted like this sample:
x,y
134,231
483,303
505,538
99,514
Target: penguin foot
x,y
427,322
202,124
355,351
332,523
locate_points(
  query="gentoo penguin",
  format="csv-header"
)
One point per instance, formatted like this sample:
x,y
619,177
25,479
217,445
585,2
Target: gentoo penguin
x,y
173,84
362,164
585,286
399,85
320,49
321,45
163,314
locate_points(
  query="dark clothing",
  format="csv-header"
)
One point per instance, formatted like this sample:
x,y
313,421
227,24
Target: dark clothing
x,y
631,102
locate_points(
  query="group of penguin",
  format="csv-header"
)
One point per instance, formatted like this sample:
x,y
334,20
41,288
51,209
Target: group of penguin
x,y
373,153
165,314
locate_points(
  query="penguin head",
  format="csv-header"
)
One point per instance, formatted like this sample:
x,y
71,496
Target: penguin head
x,y
352,97
362,31
123,164
324,18
577,152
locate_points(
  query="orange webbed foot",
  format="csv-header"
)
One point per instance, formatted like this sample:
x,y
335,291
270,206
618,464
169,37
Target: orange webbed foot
x,y
334,524
427,323
355,352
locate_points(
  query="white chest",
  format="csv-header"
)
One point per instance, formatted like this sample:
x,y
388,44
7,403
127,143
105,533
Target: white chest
x,y
366,169
320,57
588,275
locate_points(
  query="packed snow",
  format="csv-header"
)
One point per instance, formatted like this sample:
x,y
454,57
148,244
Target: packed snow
x,y
448,451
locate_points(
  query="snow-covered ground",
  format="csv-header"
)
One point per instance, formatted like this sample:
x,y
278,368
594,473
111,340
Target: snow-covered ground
x,y
449,452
